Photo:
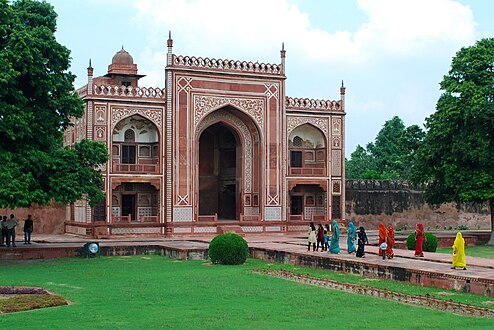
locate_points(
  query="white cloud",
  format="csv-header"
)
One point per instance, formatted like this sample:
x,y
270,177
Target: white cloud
x,y
254,30
407,26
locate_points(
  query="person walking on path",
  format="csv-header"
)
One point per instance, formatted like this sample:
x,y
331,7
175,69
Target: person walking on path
x,y
383,248
459,258
320,237
3,227
382,237
390,241
352,237
10,224
28,229
334,247
419,240
311,237
362,240
326,237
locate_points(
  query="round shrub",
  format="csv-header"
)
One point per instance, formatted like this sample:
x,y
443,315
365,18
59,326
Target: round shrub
x,y
228,249
430,242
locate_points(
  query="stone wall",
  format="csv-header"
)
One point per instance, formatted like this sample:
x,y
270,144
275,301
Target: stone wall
x,y
369,202
47,220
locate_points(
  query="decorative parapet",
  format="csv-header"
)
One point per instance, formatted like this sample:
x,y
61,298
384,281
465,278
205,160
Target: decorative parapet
x,y
226,65
294,103
369,184
129,91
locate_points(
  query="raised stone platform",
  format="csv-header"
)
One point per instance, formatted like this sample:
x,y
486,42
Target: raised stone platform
x,y
433,270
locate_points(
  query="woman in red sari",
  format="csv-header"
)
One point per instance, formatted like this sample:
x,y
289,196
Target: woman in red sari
x,y
419,240
390,240
382,237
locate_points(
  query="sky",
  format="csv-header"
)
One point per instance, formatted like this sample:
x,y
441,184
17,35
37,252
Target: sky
x,y
390,54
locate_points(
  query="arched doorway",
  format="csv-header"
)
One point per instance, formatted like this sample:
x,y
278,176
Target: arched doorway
x,y
220,172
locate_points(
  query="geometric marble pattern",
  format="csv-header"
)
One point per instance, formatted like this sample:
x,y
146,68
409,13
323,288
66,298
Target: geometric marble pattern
x,y
182,214
272,213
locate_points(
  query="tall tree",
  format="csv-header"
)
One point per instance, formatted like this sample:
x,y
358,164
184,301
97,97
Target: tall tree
x,y
391,154
456,159
36,103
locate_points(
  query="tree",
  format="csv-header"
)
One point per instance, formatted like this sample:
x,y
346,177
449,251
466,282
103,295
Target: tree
x,y
37,101
359,163
456,159
390,155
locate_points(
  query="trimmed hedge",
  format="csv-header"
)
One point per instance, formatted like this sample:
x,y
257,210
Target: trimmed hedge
x,y
430,242
228,249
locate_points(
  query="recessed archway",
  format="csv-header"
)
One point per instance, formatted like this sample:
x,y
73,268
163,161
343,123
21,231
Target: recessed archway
x,y
219,172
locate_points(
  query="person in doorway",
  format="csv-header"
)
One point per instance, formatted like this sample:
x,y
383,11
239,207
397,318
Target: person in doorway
x,y
320,237
390,241
382,237
11,224
362,240
459,258
28,229
334,247
3,227
352,237
311,237
419,240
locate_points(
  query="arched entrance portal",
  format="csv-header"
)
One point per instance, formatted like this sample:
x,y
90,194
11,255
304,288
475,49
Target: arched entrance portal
x,y
219,172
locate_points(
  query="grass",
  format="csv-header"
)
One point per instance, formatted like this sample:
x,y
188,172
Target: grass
x,y
483,251
150,292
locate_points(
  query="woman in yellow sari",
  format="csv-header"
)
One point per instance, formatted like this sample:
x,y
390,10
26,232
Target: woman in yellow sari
x,y
459,258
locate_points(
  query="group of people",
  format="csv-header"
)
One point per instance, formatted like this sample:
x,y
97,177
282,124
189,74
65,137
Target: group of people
x,y
322,237
8,226
386,241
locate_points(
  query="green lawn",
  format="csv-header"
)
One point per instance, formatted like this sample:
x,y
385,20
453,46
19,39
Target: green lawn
x,y
151,292
482,251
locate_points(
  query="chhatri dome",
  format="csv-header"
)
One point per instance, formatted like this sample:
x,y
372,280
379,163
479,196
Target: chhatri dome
x,y
122,63
122,57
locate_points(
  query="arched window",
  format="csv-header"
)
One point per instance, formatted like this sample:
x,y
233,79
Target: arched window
x,y
129,136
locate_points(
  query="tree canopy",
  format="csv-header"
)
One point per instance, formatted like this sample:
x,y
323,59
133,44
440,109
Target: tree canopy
x,y
391,154
456,158
37,101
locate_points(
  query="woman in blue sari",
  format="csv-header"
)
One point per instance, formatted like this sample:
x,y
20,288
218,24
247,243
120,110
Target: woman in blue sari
x,y
352,236
334,247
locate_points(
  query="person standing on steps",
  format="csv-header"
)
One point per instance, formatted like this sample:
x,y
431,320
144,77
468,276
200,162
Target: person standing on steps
x,y
28,229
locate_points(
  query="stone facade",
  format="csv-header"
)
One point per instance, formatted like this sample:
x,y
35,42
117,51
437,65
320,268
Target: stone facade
x,y
220,146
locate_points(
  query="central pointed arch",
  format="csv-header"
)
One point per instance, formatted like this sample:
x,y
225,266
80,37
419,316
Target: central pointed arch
x,y
228,166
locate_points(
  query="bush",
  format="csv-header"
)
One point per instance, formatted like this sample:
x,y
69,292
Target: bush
x,y
430,242
228,249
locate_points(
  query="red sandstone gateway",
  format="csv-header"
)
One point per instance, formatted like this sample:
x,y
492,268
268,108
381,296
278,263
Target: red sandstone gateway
x,y
221,148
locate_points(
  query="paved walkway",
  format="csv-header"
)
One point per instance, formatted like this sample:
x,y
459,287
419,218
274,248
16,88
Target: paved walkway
x,y
481,268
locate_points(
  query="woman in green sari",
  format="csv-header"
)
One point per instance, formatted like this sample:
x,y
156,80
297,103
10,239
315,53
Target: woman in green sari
x,y
352,237
334,247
